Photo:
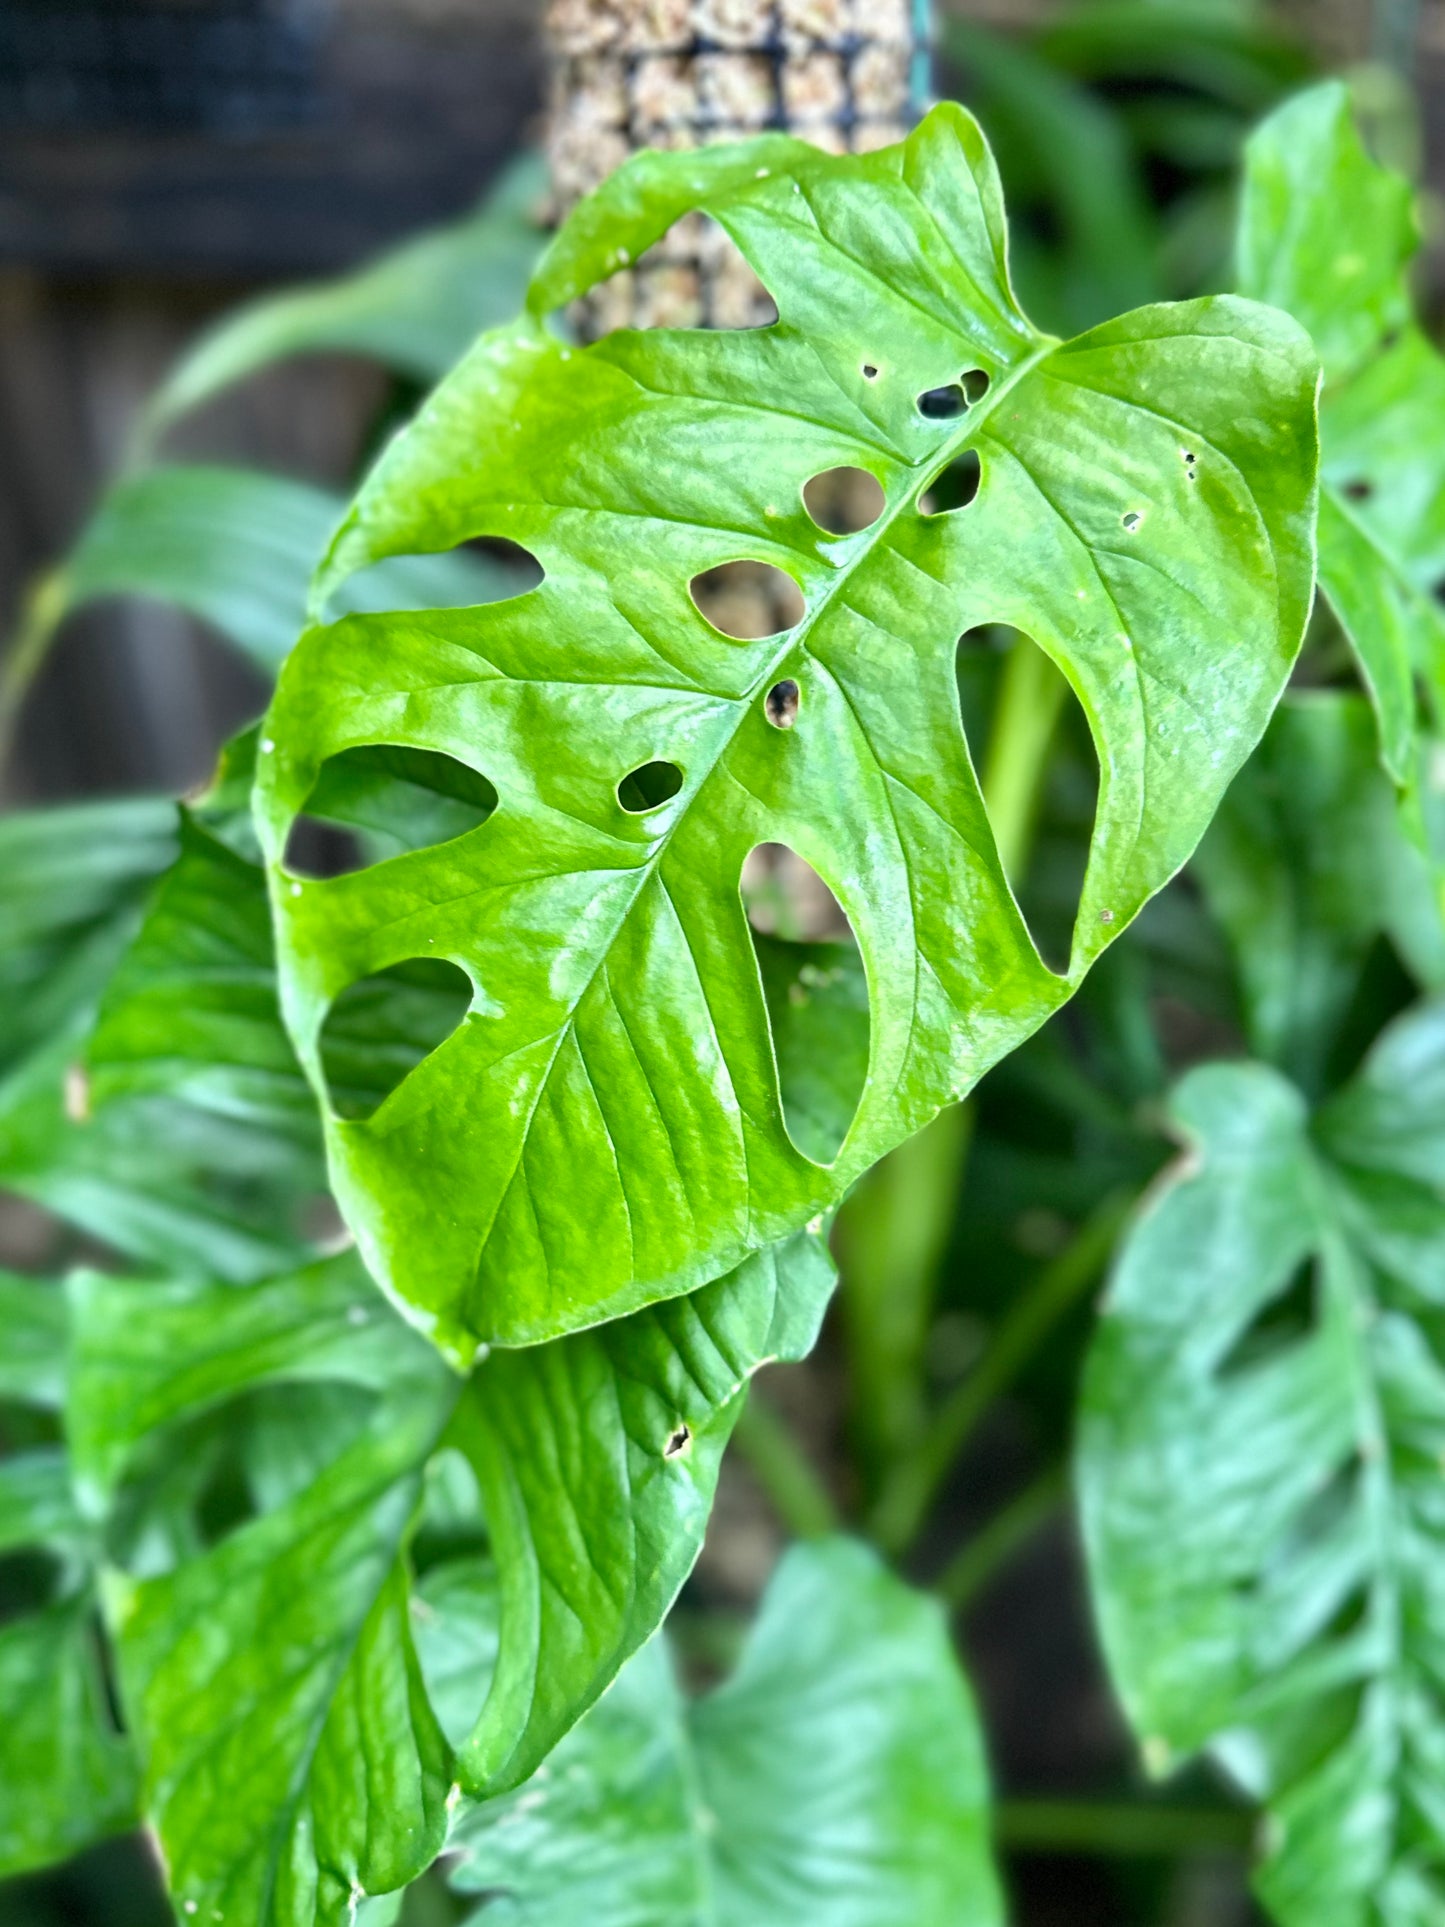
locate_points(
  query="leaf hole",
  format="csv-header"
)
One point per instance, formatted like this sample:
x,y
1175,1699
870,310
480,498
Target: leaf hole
x,y
815,991
1287,1317
870,373
748,600
1359,490
487,568
944,404
975,383
1058,824
781,704
678,1442
379,800
844,501
649,787
1131,520
381,1028
953,487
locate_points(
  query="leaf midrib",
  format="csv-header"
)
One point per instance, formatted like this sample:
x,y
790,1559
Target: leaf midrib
x,y
925,472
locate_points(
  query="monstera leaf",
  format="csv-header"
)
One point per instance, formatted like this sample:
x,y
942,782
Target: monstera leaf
x,y
1259,1466
836,1778
603,1126
595,1456
1328,233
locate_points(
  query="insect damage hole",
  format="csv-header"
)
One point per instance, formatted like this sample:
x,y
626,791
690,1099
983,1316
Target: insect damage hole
x,y
748,600
1285,1319
1132,520
944,404
649,787
380,800
382,1027
815,992
844,501
953,487
486,568
781,704
678,1441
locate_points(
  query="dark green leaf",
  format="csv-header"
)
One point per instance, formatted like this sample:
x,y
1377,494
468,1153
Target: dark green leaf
x,y
1304,866
1264,1421
618,1046
837,1778
415,309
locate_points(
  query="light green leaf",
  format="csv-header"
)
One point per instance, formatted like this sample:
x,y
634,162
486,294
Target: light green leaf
x,y
617,1047
416,309
837,1778
68,1777
1328,233
1304,866
1259,1468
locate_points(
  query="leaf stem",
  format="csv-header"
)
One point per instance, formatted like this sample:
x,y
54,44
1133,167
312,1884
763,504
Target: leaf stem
x,y
1069,1826
44,607
907,1496
1031,694
974,1564
784,1471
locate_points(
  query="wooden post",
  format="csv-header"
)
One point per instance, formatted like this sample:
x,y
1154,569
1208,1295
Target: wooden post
x,y
848,75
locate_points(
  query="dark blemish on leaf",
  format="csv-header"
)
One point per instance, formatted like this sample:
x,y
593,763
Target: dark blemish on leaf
x,y
870,373
649,787
1359,490
1389,339
975,385
1132,520
953,487
781,703
1106,916
942,404
678,1443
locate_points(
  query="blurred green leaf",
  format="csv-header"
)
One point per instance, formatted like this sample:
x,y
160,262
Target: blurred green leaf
x,y
1259,1469
837,1778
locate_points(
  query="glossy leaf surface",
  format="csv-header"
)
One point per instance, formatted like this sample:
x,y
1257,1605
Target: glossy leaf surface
x,y
1259,1466
1329,234
837,1778
618,1047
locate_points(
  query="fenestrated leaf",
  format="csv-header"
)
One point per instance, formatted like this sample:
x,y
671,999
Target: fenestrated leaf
x,y
1259,1467
416,309
605,1129
1305,865
837,1778
1328,233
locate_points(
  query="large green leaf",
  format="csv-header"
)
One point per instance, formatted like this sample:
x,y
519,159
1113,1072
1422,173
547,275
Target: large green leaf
x,y
836,1779
1305,866
1328,233
416,309
1144,513
256,1671
1259,1467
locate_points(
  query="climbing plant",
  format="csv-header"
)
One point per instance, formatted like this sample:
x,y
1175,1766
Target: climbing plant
x,y
446,1113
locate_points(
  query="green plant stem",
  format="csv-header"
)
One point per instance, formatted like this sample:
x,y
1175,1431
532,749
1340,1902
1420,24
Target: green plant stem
x,y
975,1564
1030,697
1068,1826
45,605
907,1496
784,1471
